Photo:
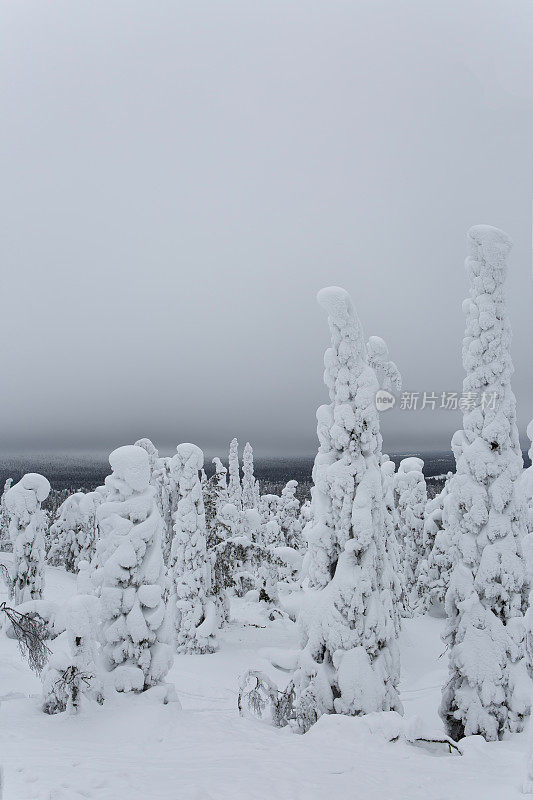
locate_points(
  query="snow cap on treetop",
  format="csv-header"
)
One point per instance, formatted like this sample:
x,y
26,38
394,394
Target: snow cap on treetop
x,y
219,466
147,445
132,465
191,454
37,483
388,467
376,345
32,482
493,243
336,302
412,464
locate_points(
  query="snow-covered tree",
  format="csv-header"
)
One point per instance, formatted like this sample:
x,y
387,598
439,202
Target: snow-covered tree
x,y
27,523
250,487
234,485
221,478
247,559
233,565
268,507
106,541
305,516
136,634
159,479
411,498
435,570
71,676
271,534
153,458
73,534
90,502
528,554
288,516
349,662
398,589
387,372
215,494
190,566
526,482
488,589
4,518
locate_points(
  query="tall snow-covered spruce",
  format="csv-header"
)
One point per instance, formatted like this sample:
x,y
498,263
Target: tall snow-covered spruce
x,y
4,517
487,692
159,479
526,482
234,483
27,524
136,636
411,497
349,663
250,487
288,515
190,567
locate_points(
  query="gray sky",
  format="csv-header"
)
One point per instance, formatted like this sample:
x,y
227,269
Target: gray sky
x,y
180,178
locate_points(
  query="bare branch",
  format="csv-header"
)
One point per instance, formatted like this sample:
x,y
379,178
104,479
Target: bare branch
x,y
30,632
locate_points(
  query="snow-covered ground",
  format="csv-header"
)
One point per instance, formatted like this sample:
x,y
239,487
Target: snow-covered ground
x,y
137,748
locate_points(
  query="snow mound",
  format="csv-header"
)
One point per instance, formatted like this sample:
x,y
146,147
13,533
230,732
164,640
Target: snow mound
x,y
128,678
389,726
281,658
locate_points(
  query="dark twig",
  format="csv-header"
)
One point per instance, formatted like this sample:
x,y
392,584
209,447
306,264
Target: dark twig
x,y
451,744
30,632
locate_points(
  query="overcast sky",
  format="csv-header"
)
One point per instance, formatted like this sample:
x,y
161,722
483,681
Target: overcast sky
x,y
179,179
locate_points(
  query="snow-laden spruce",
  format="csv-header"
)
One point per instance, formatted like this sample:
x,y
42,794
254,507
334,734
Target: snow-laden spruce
x,y
250,487
5,542
73,534
196,616
244,560
387,372
90,502
435,570
349,661
221,474
73,675
136,634
215,494
487,692
268,507
159,479
526,482
234,483
288,516
411,498
27,524
398,587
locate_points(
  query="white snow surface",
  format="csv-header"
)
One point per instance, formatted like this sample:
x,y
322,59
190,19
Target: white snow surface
x,y
136,747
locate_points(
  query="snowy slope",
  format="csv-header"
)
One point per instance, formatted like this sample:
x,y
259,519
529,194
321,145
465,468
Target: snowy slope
x,y
136,748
